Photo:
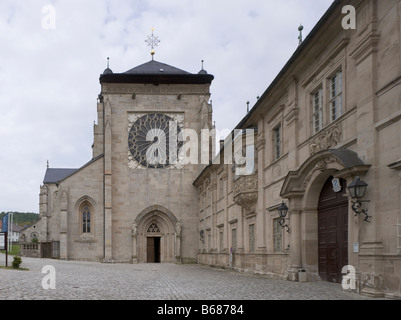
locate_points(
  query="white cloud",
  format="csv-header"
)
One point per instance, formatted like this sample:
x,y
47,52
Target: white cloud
x,y
49,78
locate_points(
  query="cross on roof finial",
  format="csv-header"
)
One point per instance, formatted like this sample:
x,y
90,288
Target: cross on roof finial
x,y
152,42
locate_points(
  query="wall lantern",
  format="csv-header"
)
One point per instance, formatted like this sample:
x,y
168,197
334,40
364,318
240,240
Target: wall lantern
x,y
282,211
357,190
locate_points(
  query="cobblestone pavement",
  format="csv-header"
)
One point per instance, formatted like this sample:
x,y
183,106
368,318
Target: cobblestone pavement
x,y
97,281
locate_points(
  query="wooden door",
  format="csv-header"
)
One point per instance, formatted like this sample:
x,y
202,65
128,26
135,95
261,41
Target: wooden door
x,y
332,232
46,249
153,249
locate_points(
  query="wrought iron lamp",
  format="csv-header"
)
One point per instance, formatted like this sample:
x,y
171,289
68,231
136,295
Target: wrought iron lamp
x,y
357,190
282,211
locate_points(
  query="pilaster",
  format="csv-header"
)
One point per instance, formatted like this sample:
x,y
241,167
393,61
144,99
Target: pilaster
x,y
108,256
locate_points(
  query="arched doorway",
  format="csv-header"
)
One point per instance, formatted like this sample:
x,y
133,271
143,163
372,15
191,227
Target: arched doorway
x,y
309,190
156,236
332,231
153,238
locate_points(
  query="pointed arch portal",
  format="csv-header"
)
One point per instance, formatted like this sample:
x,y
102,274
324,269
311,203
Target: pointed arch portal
x,y
154,235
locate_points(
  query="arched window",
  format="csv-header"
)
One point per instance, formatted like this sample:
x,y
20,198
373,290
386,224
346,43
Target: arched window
x,y
86,219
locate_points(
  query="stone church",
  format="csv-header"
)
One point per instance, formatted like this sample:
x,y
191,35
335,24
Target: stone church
x,y
330,121
122,205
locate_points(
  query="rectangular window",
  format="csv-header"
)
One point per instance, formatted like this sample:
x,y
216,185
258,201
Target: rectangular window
x,y
277,142
209,242
317,103
234,239
221,241
336,96
252,238
277,236
221,187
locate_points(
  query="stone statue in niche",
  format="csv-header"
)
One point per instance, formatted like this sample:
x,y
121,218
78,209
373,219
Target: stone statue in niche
x,y
134,229
178,228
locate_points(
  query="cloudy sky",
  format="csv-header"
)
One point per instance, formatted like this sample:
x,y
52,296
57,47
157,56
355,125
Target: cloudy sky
x,y
53,51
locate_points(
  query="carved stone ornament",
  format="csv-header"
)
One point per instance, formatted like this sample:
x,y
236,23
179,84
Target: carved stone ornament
x,y
321,166
326,140
246,191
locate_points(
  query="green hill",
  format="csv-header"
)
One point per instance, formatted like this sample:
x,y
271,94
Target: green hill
x,y
22,218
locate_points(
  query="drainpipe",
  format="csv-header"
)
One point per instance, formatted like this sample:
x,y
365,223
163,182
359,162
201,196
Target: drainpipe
x,y
101,99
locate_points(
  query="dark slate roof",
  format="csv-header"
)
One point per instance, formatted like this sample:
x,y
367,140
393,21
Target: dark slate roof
x,y
56,175
108,71
154,72
155,67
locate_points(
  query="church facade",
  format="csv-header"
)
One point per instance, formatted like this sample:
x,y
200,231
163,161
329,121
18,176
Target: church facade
x,y
330,119
134,201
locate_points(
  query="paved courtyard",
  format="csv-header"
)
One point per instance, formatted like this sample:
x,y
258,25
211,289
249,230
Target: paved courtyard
x,y
97,281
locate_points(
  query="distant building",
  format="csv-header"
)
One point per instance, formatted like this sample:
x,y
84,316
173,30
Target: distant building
x,y
15,232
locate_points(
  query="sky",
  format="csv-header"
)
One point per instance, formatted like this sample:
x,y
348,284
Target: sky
x,y
53,52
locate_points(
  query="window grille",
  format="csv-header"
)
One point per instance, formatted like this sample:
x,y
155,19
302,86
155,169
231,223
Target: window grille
x,y
252,238
277,235
317,102
153,228
336,99
221,241
277,142
234,239
86,220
